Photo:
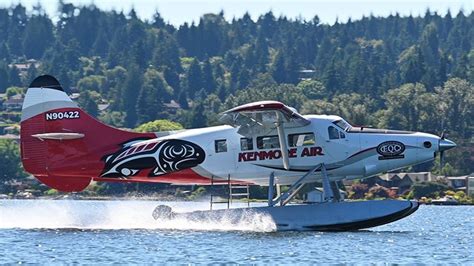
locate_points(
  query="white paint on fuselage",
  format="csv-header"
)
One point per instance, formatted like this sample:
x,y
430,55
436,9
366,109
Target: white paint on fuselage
x,y
336,153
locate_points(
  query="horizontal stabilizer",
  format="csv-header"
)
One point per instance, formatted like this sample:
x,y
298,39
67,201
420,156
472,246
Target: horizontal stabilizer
x,y
58,136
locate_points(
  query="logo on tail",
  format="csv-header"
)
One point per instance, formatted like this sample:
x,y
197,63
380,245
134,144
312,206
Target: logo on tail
x,y
161,157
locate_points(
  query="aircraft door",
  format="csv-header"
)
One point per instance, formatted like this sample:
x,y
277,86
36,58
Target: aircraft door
x,y
221,153
340,144
245,148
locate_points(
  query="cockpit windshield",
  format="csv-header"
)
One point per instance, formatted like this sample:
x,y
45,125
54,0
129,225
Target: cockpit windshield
x,y
342,124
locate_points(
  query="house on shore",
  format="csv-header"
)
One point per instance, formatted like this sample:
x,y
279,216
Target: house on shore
x,y
14,103
401,182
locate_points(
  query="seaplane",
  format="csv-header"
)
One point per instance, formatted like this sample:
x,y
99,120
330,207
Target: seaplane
x,y
263,143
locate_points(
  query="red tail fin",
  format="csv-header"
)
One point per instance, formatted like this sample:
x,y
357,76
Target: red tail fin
x,y
61,145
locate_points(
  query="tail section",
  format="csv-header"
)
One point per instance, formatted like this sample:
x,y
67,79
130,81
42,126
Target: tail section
x,y
61,145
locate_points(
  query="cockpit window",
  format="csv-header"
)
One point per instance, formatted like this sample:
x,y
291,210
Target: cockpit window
x,y
342,124
333,133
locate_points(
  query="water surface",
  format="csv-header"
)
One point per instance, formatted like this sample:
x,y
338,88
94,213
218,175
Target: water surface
x,y
45,231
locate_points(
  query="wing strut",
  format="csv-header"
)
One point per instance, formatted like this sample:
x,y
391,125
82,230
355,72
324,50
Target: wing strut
x,y
282,139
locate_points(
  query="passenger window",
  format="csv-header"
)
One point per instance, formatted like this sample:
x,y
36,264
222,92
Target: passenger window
x,y
333,133
246,144
268,142
301,139
220,145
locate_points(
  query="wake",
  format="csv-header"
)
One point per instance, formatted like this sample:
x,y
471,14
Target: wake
x,y
115,215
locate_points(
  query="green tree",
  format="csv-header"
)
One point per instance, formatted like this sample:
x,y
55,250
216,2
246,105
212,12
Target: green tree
x,y
194,78
159,125
455,102
10,156
198,118
3,77
38,36
113,118
14,91
313,89
92,83
405,107
278,68
208,81
153,94
412,65
428,189
14,76
88,101
131,90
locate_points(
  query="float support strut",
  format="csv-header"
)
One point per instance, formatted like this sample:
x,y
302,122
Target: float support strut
x,y
271,193
293,190
328,191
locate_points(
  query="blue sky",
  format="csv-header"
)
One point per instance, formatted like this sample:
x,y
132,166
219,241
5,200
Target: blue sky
x,y
179,11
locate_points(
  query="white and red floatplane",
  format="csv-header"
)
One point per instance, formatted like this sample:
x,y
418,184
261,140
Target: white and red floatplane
x,y
262,143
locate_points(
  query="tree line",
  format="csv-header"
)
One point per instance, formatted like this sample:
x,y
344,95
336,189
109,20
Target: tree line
x,y
405,72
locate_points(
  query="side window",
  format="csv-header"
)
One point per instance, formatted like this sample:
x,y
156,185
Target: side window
x,y
333,133
301,139
342,135
268,142
246,144
220,145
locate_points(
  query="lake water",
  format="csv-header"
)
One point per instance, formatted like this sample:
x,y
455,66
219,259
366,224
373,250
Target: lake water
x,y
62,231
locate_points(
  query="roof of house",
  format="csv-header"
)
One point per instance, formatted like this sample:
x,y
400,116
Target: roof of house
x,y
415,177
103,106
14,101
464,177
172,104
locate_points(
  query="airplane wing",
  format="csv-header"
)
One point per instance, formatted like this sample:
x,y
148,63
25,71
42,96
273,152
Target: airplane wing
x,y
263,118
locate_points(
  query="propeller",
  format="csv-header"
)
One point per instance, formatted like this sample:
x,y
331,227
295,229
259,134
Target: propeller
x,y
443,134
444,145
441,152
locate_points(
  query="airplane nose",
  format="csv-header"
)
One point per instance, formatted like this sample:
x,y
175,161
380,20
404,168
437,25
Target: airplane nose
x,y
446,144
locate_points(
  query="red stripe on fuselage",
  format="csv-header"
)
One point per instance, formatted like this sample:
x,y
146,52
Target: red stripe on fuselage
x,y
184,177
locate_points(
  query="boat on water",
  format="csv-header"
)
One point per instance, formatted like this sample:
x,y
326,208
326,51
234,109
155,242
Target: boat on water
x,y
446,200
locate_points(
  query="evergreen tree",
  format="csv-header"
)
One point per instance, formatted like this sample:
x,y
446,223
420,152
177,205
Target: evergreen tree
x,y
131,89
153,93
3,77
194,78
38,36
31,74
14,77
208,81
101,43
86,101
4,52
414,68
198,117
278,68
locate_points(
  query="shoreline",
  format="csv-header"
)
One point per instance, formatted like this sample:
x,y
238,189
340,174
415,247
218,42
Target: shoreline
x,y
174,199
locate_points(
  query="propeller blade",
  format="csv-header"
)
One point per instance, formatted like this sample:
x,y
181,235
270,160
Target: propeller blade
x,y
443,134
441,161
444,145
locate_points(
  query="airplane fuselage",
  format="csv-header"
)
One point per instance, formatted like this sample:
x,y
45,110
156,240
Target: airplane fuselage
x,y
347,154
